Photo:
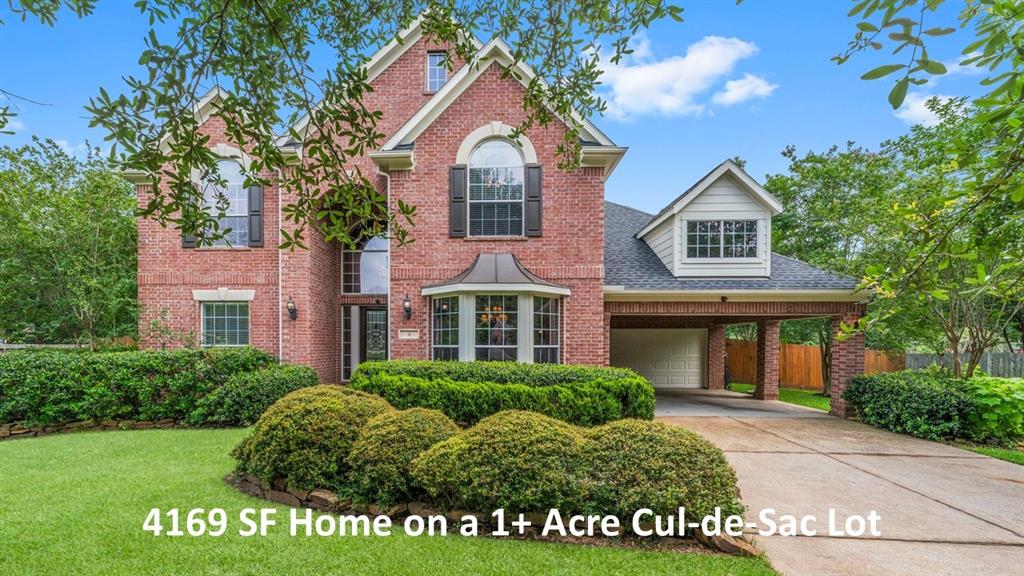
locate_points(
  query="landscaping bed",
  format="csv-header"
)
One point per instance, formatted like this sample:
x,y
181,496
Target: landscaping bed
x,y
470,391
55,391
932,404
338,449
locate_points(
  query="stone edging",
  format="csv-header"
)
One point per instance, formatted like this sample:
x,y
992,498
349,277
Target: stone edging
x,y
323,500
14,430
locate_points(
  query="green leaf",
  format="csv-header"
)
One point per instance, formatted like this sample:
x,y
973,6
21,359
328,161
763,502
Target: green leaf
x,y
881,71
898,93
867,27
939,31
933,67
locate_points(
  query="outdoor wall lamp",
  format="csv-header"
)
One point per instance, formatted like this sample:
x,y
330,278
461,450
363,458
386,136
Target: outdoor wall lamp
x,y
293,312
407,306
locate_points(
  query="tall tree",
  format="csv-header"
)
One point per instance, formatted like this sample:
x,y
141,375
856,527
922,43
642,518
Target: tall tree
x,y
68,239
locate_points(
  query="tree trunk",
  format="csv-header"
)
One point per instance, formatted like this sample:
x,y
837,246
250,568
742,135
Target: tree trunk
x,y
825,347
954,346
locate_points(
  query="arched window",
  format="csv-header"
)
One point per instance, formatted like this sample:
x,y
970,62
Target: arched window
x,y
365,271
233,199
496,189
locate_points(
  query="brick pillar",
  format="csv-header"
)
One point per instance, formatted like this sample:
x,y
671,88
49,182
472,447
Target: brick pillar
x,y
716,357
847,362
767,360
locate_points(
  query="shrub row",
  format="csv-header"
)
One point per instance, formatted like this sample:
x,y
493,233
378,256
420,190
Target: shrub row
x,y
246,395
44,388
359,446
470,391
933,404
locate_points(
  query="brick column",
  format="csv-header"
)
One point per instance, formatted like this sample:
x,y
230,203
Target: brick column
x,y
847,362
716,357
767,360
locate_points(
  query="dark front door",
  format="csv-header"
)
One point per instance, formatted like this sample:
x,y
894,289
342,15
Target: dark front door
x,y
375,334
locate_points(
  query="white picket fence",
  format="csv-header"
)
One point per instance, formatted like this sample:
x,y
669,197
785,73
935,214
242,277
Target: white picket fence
x,y
1003,364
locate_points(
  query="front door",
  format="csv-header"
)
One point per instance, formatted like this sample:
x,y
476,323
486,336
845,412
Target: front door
x,y
374,329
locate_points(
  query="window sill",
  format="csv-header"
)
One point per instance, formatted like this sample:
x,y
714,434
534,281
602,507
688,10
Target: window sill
x,y
496,238
223,249
722,260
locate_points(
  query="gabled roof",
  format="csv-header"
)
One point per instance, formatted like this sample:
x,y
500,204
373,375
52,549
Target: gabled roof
x,y
729,168
377,63
632,267
496,272
494,52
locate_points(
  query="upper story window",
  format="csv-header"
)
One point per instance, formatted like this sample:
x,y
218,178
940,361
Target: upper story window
x,y
721,239
366,271
233,200
496,190
437,72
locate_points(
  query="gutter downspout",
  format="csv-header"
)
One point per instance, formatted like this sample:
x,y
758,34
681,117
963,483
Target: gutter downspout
x,y
387,177
280,304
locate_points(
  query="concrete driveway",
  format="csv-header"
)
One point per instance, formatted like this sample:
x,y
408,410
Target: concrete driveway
x,y
943,510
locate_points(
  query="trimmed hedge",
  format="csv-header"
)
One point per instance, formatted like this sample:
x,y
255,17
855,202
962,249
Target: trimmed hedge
x,y
933,404
306,436
519,461
470,391
382,455
246,395
633,464
43,388
924,403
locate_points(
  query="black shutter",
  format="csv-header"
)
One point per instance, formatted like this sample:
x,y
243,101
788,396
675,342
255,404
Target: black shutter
x,y
534,204
457,201
256,216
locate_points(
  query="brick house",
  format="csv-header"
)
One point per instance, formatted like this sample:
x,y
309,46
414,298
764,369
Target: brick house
x,y
503,266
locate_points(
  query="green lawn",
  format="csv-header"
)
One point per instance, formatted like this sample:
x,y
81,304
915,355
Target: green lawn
x,y
809,398
1009,454
75,504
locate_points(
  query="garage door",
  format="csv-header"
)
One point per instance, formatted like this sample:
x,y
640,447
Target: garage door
x,y
668,358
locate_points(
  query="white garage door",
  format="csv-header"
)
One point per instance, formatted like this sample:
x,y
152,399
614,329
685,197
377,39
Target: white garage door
x,y
669,358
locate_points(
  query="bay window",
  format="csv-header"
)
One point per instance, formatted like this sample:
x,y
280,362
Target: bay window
x,y
496,327
444,324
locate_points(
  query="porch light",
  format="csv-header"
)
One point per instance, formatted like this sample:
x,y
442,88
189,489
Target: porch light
x,y
407,306
293,312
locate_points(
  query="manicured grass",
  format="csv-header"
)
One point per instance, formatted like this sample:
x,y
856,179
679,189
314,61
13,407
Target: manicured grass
x,y
1015,455
808,398
76,503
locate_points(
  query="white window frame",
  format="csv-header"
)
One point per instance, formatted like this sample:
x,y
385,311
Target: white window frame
x,y
444,69
524,324
202,323
210,203
470,202
458,327
684,231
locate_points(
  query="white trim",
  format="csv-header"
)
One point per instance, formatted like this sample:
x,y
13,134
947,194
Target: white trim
x,y
494,289
393,159
491,130
621,294
223,295
495,51
748,185
607,157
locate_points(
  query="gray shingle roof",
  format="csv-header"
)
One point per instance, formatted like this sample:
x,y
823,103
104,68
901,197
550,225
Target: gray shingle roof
x,y
630,262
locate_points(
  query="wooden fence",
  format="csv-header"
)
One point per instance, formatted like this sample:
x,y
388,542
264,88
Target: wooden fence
x,y
1002,364
799,366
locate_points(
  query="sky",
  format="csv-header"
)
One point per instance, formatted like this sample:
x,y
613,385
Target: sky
x,y
729,81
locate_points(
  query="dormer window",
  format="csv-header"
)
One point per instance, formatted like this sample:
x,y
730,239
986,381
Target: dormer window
x,y
721,239
437,72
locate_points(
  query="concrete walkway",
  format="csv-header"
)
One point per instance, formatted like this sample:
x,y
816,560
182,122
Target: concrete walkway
x,y
943,510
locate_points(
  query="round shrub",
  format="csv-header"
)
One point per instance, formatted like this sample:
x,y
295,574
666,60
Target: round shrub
x,y
241,400
306,436
520,461
383,452
633,464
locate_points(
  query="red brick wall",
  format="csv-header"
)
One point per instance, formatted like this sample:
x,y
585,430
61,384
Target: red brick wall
x,y
716,357
767,385
847,362
570,252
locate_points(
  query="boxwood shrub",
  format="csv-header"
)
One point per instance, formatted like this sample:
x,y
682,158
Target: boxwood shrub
x,y
42,388
469,391
924,403
241,400
305,437
633,464
383,453
516,460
